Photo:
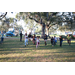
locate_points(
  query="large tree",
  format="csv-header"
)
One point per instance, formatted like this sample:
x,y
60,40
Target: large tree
x,y
66,21
45,19
63,20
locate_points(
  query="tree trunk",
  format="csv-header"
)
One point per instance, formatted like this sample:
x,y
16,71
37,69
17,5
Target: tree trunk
x,y
48,31
43,30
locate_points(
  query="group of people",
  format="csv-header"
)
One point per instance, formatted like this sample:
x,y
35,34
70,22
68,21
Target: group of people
x,y
36,40
54,40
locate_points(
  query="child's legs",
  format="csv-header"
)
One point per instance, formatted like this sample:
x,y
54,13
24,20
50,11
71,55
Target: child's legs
x,y
25,41
29,39
52,42
37,45
1,39
45,41
60,43
69,42
33,41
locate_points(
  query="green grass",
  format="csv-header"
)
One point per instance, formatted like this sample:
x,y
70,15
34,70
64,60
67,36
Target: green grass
x,y
12,50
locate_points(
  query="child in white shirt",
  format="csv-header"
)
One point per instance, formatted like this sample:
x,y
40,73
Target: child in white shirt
x,y
37,42
26,39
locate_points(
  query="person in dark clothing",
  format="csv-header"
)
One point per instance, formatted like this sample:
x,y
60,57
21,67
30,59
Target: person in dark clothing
x,y
61,39
34,39
2,36
45,39
21,36
29,36
52,41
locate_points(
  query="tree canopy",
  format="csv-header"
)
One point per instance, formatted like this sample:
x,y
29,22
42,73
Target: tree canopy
x,y
48,20
51,20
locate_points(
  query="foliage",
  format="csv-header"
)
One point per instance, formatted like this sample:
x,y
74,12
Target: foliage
x,y
3,15
64,20
72,37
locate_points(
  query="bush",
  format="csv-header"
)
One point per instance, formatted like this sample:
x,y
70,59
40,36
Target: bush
x,y
72,37
63,36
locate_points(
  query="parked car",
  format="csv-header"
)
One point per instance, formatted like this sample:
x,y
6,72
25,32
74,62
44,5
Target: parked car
x,y
9,33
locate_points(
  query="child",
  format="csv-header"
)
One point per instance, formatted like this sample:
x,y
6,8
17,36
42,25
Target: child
x,y
37,42
34,39
26,39
29,36
69,39
45,39
52,41
55,40
61,40
21,36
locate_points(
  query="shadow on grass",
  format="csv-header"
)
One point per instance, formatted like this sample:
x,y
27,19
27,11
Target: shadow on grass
x,y
51,58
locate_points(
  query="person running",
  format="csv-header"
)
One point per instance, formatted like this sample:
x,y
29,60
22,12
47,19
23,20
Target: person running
x,y
34,39
45,39
61,40
69,39
55,40
29,36
26,39
52,41
21,36
37,42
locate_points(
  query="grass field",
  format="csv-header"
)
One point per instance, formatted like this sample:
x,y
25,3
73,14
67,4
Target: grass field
x,y
12,50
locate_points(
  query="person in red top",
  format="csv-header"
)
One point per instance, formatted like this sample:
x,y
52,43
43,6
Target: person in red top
x,y
34,39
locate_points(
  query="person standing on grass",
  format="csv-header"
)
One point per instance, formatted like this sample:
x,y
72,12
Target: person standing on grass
x,y
26,39
29,36
37,42
69,39
45,39
52,41
55,40
2,37
34,39
61,40
21,36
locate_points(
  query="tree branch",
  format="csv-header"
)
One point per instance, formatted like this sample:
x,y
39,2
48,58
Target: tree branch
x,y
3,16
50,16
33,19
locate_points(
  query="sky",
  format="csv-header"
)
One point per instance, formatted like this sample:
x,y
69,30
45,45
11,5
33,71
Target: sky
x,y
9,14
12,15
21,22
